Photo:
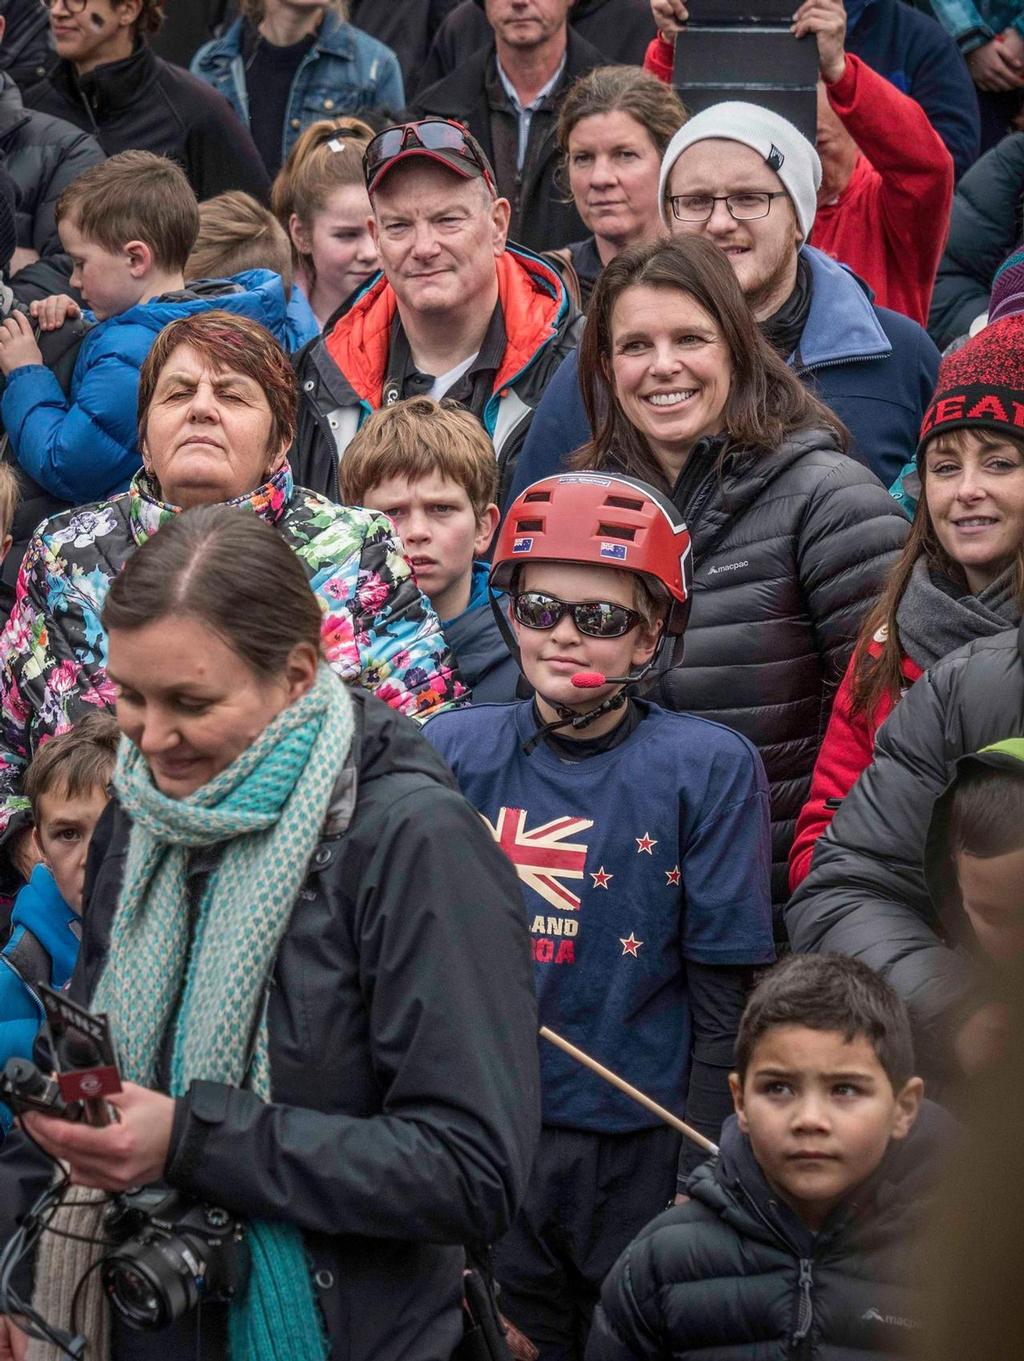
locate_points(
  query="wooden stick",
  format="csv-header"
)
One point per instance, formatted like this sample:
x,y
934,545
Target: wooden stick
x,y
687,1130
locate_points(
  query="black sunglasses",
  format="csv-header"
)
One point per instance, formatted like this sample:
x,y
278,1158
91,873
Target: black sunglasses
x,y
595,618
431,134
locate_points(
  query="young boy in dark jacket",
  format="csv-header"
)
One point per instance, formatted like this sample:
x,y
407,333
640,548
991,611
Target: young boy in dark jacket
x,y
430,467
641,840
797,1240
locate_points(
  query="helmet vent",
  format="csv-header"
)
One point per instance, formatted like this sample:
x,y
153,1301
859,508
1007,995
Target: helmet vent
x,y
624,502
529,526
617,532
537,496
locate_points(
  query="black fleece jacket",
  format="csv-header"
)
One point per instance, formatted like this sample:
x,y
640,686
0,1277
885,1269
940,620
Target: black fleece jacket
x,y
734,1275
148,103
403,1058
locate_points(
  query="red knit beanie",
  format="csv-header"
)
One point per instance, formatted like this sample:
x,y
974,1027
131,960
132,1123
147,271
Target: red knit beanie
x,y
980,386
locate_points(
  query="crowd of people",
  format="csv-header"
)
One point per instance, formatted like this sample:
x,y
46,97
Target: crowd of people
x,y
511,682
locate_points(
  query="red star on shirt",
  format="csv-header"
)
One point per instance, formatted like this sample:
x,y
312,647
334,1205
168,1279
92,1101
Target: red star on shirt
x,y
630,946
644,843
672,875
601,878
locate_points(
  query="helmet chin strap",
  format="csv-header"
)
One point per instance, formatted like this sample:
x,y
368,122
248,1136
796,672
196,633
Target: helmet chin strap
x,y
570,718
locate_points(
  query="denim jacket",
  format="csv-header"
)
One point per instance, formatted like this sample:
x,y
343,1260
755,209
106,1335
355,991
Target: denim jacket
x,y
344,71
974,24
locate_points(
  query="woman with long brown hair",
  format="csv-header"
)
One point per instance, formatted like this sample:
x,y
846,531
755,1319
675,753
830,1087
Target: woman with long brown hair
x,y
320,199
961,573
791,538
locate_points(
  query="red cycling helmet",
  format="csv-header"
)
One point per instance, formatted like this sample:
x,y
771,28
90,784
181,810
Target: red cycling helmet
x,y
604,520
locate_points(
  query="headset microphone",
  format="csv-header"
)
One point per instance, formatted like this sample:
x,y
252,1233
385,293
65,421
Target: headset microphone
x,y
593,680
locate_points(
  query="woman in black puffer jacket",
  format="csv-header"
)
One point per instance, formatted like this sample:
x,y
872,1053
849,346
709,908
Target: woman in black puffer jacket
x,y
792,539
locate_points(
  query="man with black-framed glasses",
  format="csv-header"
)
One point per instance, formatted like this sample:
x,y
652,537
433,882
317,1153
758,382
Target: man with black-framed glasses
x,y
458,311
107,81
748,180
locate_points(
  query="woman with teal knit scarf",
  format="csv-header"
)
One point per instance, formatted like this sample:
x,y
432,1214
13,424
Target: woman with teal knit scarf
x,y
317,971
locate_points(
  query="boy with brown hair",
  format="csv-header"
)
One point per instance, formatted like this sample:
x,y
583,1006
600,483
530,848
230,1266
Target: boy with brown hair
x,y
67,789
129,226
237,234
430,467
797,1239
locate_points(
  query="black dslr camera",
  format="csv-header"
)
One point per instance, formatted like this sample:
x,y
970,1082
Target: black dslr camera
x,y
172,1254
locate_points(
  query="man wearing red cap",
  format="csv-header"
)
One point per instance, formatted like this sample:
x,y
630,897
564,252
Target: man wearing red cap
x,y
457,312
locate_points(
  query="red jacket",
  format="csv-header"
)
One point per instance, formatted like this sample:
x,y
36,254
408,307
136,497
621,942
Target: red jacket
x,y
846,751
890,222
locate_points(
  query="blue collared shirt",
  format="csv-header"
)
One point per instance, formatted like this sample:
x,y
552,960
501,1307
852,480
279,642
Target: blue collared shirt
x,y
525,112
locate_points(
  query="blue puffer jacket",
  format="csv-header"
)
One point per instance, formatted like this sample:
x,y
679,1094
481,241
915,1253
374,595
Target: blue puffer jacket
x,y
916,53
876,369
344,71
484,661
40,909
84,447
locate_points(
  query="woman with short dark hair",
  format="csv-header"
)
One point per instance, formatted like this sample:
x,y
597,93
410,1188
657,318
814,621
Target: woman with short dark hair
x,y
346,1067
216,419
791,538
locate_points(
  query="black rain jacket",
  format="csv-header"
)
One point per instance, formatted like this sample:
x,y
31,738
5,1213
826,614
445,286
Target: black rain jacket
x,y
403,1058
984,226
43,155
866,894
148,103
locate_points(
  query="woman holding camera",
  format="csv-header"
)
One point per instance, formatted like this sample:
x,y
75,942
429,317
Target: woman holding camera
x,y
316,967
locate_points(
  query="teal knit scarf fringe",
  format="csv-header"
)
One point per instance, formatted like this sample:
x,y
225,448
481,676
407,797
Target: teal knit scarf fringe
x,y
266,809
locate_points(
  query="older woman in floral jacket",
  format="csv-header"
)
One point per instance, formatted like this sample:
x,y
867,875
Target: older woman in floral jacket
x,y
216,419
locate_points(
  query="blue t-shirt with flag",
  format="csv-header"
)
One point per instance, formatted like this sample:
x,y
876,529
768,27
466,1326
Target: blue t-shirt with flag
x,y
632,862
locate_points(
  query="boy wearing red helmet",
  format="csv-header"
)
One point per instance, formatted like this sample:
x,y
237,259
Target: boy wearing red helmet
x,y
642,842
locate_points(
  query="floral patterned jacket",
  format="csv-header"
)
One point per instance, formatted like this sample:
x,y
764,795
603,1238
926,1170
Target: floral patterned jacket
x,y
379,630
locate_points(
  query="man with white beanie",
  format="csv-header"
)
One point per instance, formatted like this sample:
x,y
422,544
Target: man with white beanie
x,y
747,179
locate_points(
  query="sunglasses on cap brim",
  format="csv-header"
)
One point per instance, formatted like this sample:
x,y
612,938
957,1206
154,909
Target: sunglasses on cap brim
x,y
426,136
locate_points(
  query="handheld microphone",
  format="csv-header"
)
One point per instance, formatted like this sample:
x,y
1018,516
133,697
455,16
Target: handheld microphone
x,y
593,680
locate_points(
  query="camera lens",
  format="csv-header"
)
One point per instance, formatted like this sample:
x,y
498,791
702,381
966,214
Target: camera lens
x,y
133,1295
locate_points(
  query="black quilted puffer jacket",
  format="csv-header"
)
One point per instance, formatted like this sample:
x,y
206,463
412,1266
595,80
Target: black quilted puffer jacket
x,y
733,1275
790,549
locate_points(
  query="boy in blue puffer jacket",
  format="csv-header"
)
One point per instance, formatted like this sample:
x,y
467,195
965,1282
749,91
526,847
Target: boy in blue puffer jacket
x,y
66,786
129,226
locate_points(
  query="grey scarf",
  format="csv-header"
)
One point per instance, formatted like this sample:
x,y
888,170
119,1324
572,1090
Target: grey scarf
x,y
934,618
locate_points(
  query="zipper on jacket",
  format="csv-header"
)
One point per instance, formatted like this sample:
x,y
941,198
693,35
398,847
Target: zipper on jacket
x,y
805,1310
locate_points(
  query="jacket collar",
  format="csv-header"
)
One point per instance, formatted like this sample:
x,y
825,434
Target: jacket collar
x,y
842,324
40,908
146,511
109,88
334,38
734,1186
533,301
13,114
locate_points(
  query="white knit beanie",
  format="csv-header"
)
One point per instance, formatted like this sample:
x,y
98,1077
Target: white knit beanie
x,y
785,150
